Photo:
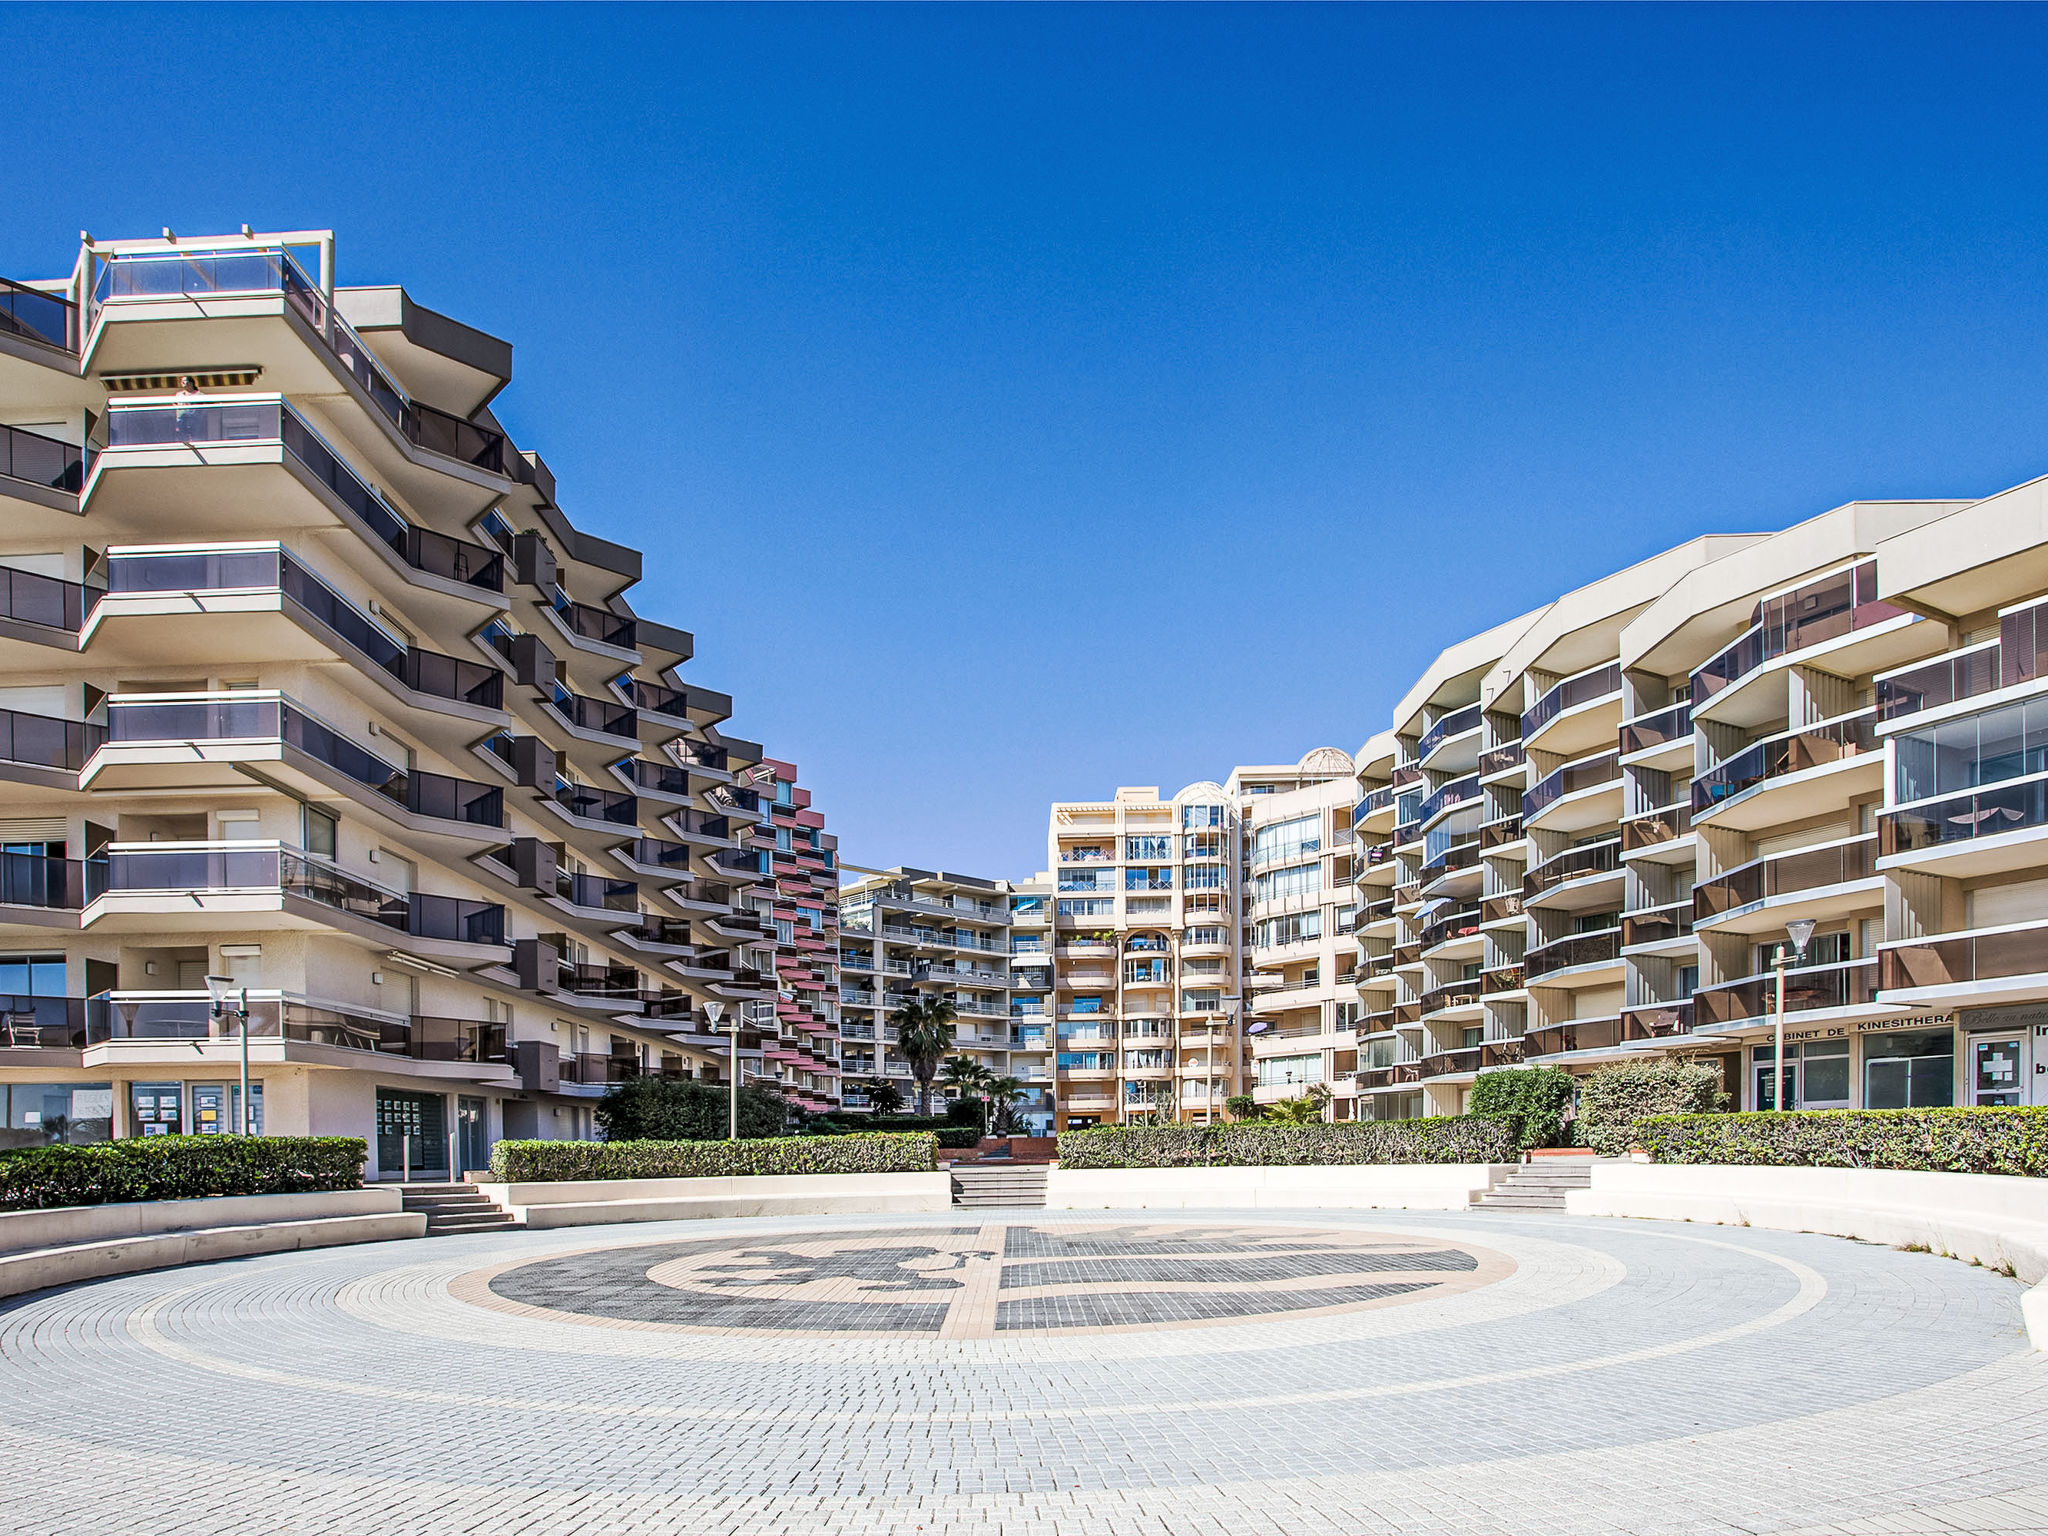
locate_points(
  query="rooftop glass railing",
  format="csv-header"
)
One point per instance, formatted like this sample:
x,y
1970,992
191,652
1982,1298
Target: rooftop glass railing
x,y
1569,694
46,317
1812,746
275,420
41,460
268,567
158,274
1821,610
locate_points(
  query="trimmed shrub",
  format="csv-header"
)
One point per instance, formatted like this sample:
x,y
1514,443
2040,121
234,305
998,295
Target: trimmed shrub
x,y
541,1162
178,1168
1443,1139
1614,1099
684,1109
2011,1141
1531,1099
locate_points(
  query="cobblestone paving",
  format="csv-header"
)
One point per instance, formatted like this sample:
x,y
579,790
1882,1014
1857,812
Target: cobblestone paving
x,y
1553,1375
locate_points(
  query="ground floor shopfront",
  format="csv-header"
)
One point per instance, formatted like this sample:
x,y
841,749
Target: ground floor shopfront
x,y
1986,1057
423,1128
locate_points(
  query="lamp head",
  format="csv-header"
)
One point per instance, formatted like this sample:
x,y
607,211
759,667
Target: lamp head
x,y
714,1012
223,991
1801,932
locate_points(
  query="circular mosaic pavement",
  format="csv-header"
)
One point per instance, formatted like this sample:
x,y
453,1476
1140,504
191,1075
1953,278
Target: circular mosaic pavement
x,y
1266,1374
971,1282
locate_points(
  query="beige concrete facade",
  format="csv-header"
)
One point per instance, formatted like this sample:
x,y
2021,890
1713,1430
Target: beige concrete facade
x,y
310,683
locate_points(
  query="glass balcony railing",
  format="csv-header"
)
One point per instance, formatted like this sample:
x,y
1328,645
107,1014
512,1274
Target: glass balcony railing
x,y
39,741
190,1016
1785,874
1597,947
29,1022
598,892
48,601
2015,807
1657,925
1577,1035
1572,864
1791,752
588,622
1819,611
1844,984
46,317
603,716
1646,731
1461,924
1455,793
1661,825
1456,723
1945,680
655,777
1569,694
1947,960
595,804
1586,773
266,716
153,274
259,421
53,884
1500,759
268,567
1657,1021
41,460
185,869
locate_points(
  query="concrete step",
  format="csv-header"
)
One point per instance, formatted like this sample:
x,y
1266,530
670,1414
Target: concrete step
x,y
991,1184
493,1220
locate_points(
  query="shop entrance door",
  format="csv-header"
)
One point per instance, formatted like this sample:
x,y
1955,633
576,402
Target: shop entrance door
x,y
473,1142
1998,1070
412,1134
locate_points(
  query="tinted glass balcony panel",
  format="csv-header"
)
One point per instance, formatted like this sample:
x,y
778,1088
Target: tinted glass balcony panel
x,y
1569,694
1657,1021
40,741
1793,752
658,777
1461,924
1657,925
41,460
1456,723
45,317
30,1022
49,601
1578,1035
1945,680
1455,793
1575,950
61,885
1572,864
1587,773
1963,958
598,891
1648,731
1785,874
1843,985
1822,610
592,623
1500,759
604,716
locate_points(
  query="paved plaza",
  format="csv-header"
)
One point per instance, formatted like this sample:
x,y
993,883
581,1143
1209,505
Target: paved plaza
x,y
1014,1372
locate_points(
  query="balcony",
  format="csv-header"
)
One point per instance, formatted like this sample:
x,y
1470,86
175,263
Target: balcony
x,y
29,1023
1500,907
1573,864
1667,728
1500,834
1502,759
146,1016
1452,926
47,602
38,460
1578,783
197,871
1845,984
50,884
1453,725
1722,789
262,422
1969,824
1772,884
595,717
1575,1035
1987,961
1502,978
262,719
37,316
1576,952
1567,720
148,275
1453,794
135,574
662,779
597,893
1826,610
1665,824
1657,1021
1460,995
1665,924
40,741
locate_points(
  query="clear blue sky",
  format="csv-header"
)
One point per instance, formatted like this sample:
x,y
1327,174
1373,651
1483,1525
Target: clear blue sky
x,y
1020,402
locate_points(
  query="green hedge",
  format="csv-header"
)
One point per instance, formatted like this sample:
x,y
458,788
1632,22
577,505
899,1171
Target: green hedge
x,y
1444,1139
1615,1100
1531,1099
685,1109
178,1168
540,1162
1928,1140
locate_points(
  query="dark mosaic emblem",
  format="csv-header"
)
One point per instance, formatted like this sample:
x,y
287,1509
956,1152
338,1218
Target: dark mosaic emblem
x,y
980,1281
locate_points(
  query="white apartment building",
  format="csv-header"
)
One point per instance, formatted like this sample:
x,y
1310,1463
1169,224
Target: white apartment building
x,y
311,684
1587,830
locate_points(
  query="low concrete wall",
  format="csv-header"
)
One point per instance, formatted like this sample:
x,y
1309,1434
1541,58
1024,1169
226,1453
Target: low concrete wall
x,y
1399,1186
590,1202
1998,1221
86,1242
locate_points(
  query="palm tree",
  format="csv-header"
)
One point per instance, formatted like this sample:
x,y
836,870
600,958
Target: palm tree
x,y
1002,1094
884,1097
1304,1110
967,1078
924,1033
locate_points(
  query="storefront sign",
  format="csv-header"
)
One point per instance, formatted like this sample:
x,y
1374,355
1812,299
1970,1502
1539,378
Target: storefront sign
x,y
2019,1018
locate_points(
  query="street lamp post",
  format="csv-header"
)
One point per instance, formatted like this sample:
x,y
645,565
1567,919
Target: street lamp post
x,y
229,998
713,1011
1801,931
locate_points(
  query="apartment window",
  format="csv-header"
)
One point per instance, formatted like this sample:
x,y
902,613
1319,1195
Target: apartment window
x,y
785,792
1087,908
1287,839
1145,906
1193,817
1086,1005
1284,1071
1961,754
1292,929
1159,847
1278,884
317,829
1207,935
1087,880
1821,949
1203,877
1201,1002
32,975
1150,879
1199,901
785,930
1202,845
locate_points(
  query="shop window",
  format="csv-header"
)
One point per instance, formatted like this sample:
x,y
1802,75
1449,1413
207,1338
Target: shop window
x,y
37,1114
1914,1070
